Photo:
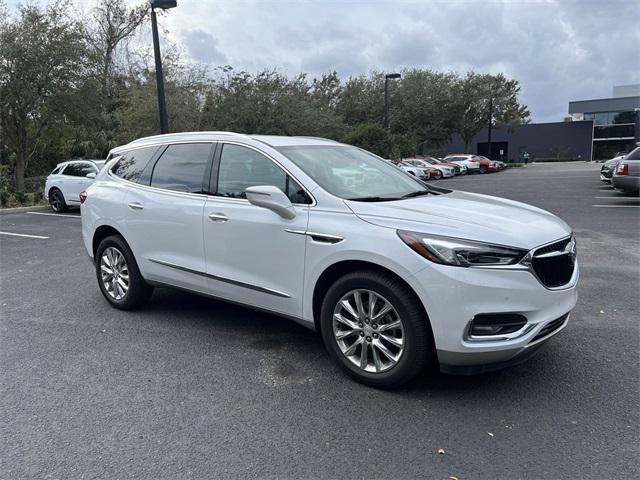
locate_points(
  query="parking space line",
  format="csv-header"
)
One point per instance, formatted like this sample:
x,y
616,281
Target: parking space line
x,y
619,198
54,214
616,206
23,235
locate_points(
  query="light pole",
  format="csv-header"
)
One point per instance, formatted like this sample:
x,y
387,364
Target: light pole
x,y
490,124
162,107
386,97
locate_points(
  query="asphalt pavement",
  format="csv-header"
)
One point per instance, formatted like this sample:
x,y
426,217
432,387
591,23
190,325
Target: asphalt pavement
x,y
190,387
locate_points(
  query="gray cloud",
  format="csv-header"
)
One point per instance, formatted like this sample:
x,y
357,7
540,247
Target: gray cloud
x,y
559,50
201,46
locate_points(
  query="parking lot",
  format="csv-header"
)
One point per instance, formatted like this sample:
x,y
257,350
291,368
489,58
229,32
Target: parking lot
x,y
190,387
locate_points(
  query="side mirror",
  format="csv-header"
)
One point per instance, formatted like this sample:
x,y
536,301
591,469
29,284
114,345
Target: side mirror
x,y
271,198
91,175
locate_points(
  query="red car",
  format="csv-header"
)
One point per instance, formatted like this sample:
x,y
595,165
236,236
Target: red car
x,y
434,173
486,165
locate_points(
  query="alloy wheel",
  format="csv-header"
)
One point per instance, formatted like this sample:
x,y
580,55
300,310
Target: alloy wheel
x,y
114,273
56,201
368,331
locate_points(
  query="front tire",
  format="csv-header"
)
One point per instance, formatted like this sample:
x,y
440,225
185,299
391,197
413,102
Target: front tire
x,y
118,275
374,327
483,169
56,201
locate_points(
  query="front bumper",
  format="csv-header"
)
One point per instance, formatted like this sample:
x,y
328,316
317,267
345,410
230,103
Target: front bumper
x,y
489,291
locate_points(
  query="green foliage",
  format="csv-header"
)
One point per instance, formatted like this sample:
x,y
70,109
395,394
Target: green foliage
x,y
71,88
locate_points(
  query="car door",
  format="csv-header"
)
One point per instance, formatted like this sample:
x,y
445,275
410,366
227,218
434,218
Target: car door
x,y
253,255
70,183
164,209
83,181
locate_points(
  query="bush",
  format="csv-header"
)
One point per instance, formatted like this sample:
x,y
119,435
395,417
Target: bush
x,y
6,190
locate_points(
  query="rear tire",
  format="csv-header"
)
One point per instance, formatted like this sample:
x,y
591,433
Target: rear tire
x,y
410,343
483,169
56,201
118,275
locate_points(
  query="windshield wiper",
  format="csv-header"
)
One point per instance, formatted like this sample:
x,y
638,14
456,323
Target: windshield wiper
x,y
373,199
417,193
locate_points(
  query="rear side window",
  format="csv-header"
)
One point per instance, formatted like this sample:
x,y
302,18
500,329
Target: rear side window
x,y
132,163
74,170
56,171
181,167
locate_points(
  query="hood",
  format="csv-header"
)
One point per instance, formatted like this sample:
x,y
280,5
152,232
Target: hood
x,y
467,215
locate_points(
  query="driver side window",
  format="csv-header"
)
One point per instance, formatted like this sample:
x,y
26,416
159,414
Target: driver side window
x,y
242,167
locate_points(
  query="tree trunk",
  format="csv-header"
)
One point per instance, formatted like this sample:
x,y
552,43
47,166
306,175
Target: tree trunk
x,y
21,160
466,145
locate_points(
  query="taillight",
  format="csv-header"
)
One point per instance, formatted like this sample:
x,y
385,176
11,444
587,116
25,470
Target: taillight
x,y
623,169
83,197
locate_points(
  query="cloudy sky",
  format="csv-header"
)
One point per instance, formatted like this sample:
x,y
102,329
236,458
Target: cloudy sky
x,y
558,50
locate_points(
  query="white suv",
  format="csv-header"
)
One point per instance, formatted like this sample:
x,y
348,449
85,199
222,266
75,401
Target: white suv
x,y
337,239
63,185
472,162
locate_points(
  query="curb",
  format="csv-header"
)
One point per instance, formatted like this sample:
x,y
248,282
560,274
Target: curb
x,y
32,208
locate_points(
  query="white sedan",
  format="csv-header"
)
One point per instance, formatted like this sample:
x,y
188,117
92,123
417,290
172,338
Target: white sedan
x,y
64,184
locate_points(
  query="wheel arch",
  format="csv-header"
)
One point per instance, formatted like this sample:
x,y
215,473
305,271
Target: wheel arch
x,y
338,269
102,232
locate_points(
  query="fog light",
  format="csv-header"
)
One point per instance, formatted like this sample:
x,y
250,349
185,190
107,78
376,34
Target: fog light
x,y
486,324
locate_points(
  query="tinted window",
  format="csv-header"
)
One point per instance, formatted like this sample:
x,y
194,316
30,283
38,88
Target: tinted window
x,y
181,167
56,170
132,163
73,170
241,168
86,168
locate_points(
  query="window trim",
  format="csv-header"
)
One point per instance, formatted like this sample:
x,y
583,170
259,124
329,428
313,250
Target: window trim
x,y
215,171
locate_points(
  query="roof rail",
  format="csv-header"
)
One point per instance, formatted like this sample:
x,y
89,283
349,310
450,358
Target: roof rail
x,y
172,135
310,137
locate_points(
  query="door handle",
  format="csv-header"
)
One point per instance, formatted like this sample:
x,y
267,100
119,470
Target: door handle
x,y
136,206
218,217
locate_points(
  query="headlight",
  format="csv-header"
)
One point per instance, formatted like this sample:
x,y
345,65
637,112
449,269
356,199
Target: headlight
x,y
460,253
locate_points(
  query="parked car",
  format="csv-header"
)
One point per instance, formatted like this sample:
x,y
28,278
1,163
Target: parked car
x,y
446,171
501,165
487,165
608,167
434,173
627,174
462,167
416,171
63,185
433,162
470,161
379,269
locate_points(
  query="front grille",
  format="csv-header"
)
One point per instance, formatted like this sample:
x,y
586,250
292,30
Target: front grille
x,y
550,327
557,270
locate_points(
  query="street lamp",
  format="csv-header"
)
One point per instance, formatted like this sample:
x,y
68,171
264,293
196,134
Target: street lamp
x,y
162,107
489,129
386,97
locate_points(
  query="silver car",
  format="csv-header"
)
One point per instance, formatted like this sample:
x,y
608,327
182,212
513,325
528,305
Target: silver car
x,y
626,176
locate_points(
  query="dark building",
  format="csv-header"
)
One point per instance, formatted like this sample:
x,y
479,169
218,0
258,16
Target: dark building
x,y
616,120
540,140
596,130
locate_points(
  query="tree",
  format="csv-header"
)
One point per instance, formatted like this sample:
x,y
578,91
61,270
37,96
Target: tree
x,y
477,94
42,62
112,24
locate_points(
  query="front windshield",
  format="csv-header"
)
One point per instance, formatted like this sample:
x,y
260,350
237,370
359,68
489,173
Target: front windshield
x,y
351,173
